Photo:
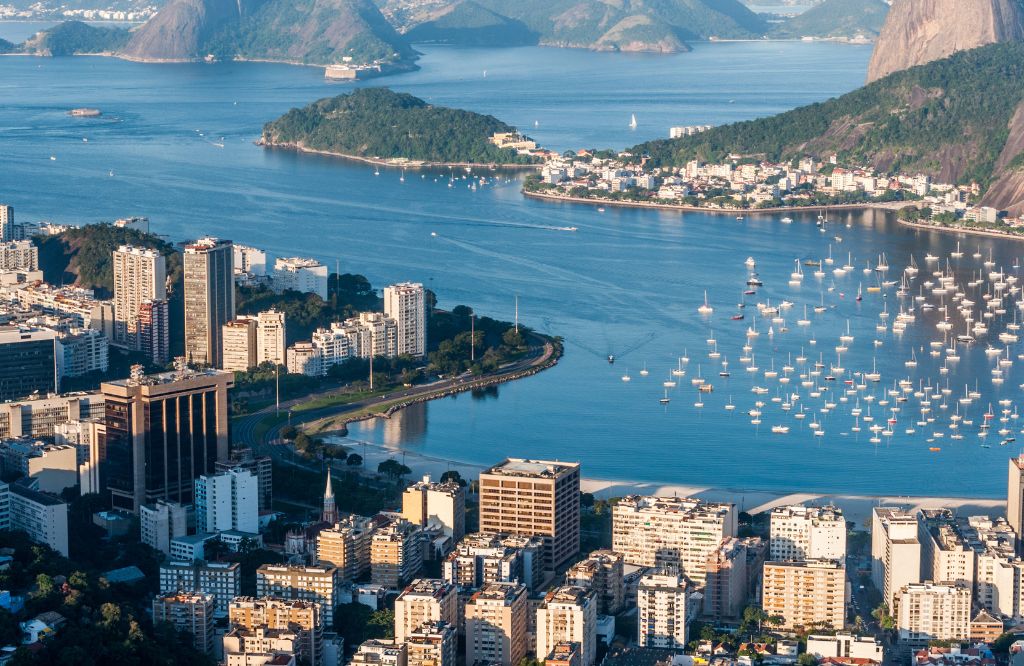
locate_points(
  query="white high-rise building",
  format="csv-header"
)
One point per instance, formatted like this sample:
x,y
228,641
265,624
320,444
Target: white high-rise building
x,y
568,615
933,611
895,551
249,260
6,222
227,501
299,274
140,276
270,338
425,600
19,255
406,303
661,602
807,533
161,522
671,532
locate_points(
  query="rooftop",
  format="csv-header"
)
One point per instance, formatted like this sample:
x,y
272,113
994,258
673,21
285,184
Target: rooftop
x,y
45,499
532,468
427,587
505,592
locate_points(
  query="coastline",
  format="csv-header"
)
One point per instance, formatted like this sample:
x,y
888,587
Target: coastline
x,y
857,508
891,206
961,230
396,162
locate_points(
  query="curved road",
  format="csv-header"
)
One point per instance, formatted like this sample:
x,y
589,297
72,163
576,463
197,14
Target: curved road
x,y
244,427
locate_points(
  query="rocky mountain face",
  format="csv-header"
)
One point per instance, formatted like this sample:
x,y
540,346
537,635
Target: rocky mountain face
x,y
180,29
920,31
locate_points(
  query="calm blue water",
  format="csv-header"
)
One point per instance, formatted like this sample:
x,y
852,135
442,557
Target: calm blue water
x,y
628,282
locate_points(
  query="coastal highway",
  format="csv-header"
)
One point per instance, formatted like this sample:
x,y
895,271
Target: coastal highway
x,y
541,354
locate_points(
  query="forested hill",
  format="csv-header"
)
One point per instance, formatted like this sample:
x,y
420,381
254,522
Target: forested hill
x,y
955,119
836,18
382,124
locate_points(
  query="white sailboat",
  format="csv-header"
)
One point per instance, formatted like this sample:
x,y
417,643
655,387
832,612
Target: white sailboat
x,y
632,121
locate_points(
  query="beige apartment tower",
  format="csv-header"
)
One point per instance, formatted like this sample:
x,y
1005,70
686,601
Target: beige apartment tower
x,y
496,624
140,278
425,600
209,298
534,498
238,340
1015,498
806,594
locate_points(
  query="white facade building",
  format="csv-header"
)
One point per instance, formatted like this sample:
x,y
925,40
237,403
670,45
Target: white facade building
x,y
227,501
162,522
140,276
270,338
933,611
805,532
302,275
406,303
568,614
895,551
662,611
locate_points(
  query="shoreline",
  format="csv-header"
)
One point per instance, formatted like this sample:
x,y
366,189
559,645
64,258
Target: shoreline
x,y
396,162
961,230
856,508
890,206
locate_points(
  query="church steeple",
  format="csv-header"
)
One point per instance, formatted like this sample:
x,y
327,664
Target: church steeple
x,y
330,511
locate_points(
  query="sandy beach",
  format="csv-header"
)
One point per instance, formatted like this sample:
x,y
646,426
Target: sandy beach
x,y
857,508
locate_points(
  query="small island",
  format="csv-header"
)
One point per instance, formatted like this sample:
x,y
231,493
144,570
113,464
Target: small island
x,y
380,126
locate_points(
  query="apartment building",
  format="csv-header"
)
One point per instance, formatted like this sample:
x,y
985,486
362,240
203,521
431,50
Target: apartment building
x,y
946,554
496,624
44,517
568,614
140,277
313,583
435,503
190,613
603,572
425,600
895,551
161,523
346,546
810,593
432,644
396,553
495,558
932,611
671,532
221,580
406,303
727,580
534,498
303,618
807,532
227,500
662,603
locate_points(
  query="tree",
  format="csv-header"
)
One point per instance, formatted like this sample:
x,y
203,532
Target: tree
x,y
382,624
393,469
454,476
289,432
354,460
807,659
885,620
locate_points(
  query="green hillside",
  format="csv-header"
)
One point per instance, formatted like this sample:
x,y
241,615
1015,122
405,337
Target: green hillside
x,y
379,123
836,18
949,118
470,24
75,37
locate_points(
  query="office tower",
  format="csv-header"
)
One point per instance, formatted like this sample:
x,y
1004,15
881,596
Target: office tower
x,y
1015,497
807,533
191,613
496,624
162,522
805,594
443,504
396,554
222,580
662,603
601,572
671,532
209,298
406,303
155,330
238,340
28,362
928,612
727,580
534,498
304,618
347,547
422,601
140,276
44,517
271,335
568,614
314,583
432,644
895,551
6,223
163,431
307,276
261,466
227,501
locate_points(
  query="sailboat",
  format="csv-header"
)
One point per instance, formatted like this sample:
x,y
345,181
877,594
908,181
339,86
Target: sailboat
x,y
705,309
632,121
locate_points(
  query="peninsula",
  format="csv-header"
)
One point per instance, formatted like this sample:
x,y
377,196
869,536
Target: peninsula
x,y
948,132
380,126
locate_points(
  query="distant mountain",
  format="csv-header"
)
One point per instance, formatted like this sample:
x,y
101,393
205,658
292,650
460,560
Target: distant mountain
x,y
319,32
960,119
377,123
74,38
625,25
469,24
7,47
837,19
919,31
